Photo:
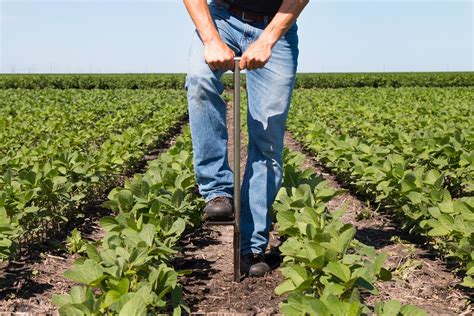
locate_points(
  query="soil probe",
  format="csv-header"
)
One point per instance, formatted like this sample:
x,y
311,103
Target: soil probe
x,y
236,222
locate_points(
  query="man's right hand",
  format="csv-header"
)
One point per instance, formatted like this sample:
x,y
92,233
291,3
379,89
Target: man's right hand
x,y
218,55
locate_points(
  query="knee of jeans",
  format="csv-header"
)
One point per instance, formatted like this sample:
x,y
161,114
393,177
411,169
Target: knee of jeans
x,y
269,138
200,85
269,146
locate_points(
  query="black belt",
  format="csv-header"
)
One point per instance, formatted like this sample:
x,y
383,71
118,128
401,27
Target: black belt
x,y
245,15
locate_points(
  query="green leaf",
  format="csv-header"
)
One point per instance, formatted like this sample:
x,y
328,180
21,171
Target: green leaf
x,y
61,300
385,275
343,241
339,270
109,223
296,273
298,304
111,297
285,286
415,197
446,207
438,231
391,308
468,281
125,200
140,188
148,234
92,253
136,306
411,310
87,273
73,310
122,286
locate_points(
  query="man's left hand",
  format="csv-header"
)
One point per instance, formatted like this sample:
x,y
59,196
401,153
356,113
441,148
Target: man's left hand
x,y
256,55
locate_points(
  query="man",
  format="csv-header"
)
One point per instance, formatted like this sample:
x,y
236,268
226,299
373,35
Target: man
x,y
264,34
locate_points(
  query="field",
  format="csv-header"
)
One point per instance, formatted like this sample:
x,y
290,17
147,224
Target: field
x,y
100,214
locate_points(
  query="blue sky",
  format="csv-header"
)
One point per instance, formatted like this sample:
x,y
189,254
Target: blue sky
x,y
153,36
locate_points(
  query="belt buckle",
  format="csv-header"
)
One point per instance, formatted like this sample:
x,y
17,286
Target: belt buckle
x,y
244,19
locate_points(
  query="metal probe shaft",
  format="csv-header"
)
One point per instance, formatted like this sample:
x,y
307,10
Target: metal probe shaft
x,y
237,169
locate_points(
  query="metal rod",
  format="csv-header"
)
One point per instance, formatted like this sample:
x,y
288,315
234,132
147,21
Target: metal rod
x,y
236,106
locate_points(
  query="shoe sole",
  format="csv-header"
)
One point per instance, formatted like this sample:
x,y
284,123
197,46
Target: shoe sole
x,y
219,218
220,223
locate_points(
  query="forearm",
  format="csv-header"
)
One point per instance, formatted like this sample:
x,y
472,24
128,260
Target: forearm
x,y
282,21
199,12
216,53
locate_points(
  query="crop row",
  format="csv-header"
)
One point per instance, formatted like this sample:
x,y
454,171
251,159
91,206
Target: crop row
x,y
40,122
48,177
326,270
176,81
427,126
128,271
406,148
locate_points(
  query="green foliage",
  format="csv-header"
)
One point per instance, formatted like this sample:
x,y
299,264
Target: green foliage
x,y
128,273
84,141
75,243
394,308
410,149
324,267
176,81
378,80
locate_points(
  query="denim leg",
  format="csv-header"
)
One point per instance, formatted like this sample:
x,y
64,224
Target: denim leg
x,y
207,117
269,92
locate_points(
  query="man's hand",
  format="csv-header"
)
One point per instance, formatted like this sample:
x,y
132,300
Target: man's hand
x,y
256,55
218,55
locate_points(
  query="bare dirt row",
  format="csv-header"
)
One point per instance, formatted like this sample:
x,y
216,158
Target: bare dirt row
x,y
208,252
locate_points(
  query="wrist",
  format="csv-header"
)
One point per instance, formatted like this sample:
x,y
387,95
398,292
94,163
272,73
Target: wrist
x,y
269,38
211,39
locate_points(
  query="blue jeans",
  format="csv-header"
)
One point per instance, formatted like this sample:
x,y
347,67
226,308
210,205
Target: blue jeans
x,y
269,92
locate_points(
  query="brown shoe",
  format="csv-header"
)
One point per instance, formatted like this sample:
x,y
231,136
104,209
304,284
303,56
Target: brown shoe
x,y
219,209
253,265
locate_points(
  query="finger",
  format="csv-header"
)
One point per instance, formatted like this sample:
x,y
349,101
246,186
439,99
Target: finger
x,y
227,64
243,63
216,64
211,66
251,64
230,64
222,65
259,64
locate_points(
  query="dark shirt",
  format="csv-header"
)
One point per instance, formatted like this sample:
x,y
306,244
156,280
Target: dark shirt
x,y
269,7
